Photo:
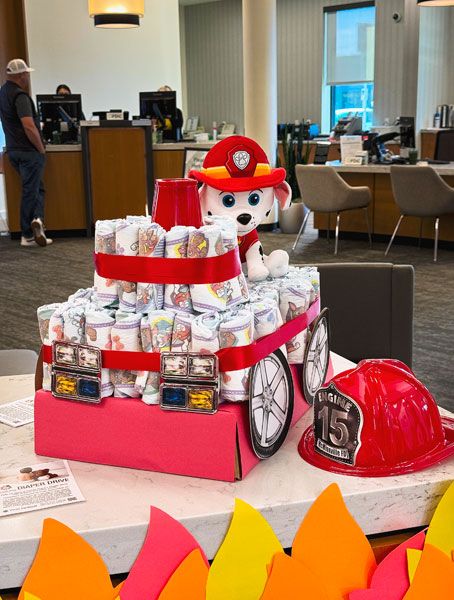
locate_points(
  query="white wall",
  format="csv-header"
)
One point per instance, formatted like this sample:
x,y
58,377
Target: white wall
x,y
108,67
213,58
436,76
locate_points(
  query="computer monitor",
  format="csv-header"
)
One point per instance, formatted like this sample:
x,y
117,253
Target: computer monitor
x,y
407,132
161,106
54,109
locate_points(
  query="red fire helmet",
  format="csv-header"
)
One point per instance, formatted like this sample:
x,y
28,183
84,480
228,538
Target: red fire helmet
x,y
238,164
376,420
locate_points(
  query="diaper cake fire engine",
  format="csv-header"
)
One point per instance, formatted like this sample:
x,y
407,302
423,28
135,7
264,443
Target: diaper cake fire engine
x,y
194,352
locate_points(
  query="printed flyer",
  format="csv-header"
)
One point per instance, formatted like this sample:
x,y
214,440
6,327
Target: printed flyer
x,y
33,487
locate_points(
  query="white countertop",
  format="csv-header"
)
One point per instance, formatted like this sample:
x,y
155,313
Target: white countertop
x,y
63,147
443,170
114,518
182,145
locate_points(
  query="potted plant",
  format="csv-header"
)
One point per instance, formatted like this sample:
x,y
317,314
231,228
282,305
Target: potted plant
x,y
295,151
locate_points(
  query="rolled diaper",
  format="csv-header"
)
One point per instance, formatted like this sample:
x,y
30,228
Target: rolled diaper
x,y
205,332
127,244
105,289
295,299
126,337
236,329
82,293
98,330
203,243
57,324
160,323
267,317
177,295
74,322
237,287
45,314
181,334
150,296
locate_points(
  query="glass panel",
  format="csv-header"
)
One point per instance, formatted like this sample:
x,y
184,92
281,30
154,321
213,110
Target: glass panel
x,y
356,99
350,45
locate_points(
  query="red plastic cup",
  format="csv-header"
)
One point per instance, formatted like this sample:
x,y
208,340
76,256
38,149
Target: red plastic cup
x,y
176,202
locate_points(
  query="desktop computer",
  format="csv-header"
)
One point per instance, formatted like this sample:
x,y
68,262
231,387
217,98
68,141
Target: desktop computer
x,y
61,114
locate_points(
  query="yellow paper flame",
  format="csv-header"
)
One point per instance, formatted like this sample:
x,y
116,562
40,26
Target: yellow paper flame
x,y
239,569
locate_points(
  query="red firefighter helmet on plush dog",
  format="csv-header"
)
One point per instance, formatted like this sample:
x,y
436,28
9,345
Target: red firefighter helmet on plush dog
x,y
376,420
238,164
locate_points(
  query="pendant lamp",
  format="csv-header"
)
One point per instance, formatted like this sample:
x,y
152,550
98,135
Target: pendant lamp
x,y
116,14
436,2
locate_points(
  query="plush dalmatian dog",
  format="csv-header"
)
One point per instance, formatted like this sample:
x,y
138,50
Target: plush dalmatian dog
x,y
238,181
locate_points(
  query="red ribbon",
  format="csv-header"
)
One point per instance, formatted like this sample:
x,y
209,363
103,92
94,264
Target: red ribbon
x,y
149,269
230,359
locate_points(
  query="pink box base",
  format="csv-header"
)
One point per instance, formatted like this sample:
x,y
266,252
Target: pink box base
x,y
128,433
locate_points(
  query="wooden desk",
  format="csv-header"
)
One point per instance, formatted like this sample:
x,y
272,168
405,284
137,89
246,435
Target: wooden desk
x,y
383,211
118,169
65,197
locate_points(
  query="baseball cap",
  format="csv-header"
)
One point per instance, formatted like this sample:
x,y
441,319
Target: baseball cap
x,y
16,66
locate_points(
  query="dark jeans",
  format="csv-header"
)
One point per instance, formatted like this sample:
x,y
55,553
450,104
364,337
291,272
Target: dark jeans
x,y
30,166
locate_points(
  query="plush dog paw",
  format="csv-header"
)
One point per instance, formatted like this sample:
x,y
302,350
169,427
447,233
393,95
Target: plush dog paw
x,y
277,263
257,272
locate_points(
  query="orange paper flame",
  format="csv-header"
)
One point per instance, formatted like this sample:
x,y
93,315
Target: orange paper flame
x,y
331,544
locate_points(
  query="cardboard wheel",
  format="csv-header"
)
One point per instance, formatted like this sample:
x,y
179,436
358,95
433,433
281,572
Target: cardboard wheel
x,y
316,356
271,397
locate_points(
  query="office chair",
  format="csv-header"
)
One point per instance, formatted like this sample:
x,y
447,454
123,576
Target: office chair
x,y
324,190
444,148
420,192
371,309
17,362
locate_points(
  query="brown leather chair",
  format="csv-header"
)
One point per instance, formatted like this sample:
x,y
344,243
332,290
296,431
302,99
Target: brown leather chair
x,y
371,309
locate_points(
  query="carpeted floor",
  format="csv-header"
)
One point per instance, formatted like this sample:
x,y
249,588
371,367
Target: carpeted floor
x,y
34,276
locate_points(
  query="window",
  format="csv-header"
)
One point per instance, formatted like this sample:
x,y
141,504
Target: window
x,y
349,63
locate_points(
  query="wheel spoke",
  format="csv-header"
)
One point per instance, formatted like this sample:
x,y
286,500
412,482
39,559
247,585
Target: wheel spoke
x,y
274,385
314,370
257,402
278,413
322,341
263,374
266,417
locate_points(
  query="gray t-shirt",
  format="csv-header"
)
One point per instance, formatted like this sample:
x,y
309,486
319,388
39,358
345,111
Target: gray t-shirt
x,y
23,106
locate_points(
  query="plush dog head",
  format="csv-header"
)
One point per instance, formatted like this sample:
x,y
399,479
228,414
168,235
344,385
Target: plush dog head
x,y
247,208
238,181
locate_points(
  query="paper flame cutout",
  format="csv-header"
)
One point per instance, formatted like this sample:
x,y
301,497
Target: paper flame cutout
x,y
390,580
239,569
61,557
290,579
189,580
330,555
441,530
434,577
326,527
166,545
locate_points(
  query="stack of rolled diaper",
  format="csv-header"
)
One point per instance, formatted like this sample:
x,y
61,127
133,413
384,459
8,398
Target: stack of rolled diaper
x,y
152,317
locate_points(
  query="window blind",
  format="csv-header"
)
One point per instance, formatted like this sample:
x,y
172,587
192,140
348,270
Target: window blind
x,y
350,45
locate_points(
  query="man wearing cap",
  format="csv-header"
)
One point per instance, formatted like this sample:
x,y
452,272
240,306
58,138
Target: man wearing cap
x,y
25,148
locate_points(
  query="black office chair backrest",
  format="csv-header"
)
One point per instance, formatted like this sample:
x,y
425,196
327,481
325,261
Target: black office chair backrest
x,y
444,149
371,309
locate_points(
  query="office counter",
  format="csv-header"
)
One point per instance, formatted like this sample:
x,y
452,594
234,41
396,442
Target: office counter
x,y
383,211
65,197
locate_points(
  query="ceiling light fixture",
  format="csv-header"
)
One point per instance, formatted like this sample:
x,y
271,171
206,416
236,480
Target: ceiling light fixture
x,y
436,2
116,14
